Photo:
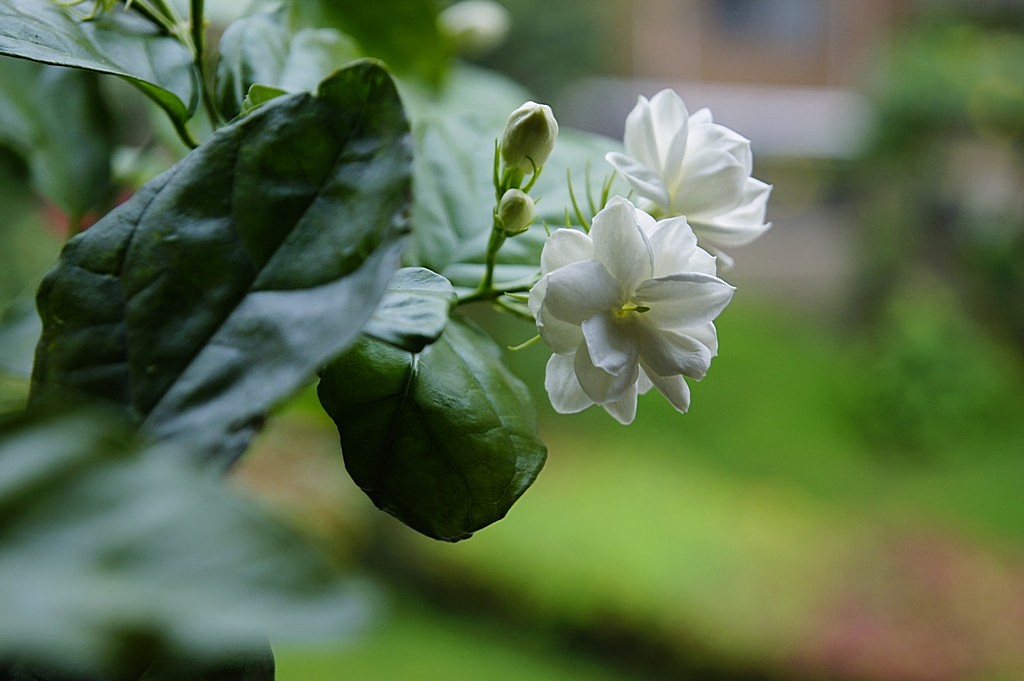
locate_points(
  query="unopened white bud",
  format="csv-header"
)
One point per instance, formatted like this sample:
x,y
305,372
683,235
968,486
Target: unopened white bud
x,y
475,26
529,137
516,212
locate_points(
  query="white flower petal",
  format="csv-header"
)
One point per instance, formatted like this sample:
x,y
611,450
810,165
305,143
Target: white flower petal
x,y
648,225
581,290
613,345
706,334
599,385
672,131
654,126
700,261
667,353
674,245
645,181
561,337
537,294
675,390
724,260
712,183
623,409
563,247
621,246
682,300
643,384
741,225
721,137
564,391
670,121
701,117
639,137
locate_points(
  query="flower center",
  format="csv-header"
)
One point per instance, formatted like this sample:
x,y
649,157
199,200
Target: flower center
x,y
629,308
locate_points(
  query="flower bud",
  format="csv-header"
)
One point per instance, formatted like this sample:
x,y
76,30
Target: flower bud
x,y
515,210
474,26
530,134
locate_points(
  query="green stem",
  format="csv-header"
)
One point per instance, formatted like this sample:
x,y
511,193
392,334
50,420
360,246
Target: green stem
x,y
486,291
162,15
197,21
524,345
493,245
483,296
197,24
183,133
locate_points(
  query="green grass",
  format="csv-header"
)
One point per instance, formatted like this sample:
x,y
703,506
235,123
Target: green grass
x,y
410,643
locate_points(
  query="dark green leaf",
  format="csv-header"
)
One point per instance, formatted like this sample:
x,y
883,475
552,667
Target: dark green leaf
x,y
114,556
262,49
403,33
117,42
445,441
53,118
414,309
257,665
253,666
221,286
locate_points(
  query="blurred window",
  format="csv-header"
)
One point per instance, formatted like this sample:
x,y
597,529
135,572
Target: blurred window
x,y
790,23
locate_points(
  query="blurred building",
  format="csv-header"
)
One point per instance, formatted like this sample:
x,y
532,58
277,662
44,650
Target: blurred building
x,y
786,72
825,43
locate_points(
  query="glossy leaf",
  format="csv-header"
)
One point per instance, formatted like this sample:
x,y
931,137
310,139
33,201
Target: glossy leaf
x,y
115,555
261,49
414,310
121,43
445,441
220,287
68,156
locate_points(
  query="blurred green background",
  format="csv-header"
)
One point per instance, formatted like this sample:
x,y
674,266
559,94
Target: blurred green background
x,y
843,500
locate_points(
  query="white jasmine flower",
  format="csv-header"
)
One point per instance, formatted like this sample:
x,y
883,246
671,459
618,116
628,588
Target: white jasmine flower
x,y
624,308
682,164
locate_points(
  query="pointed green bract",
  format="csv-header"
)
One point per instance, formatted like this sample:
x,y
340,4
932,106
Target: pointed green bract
x,y
219,288
446,440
